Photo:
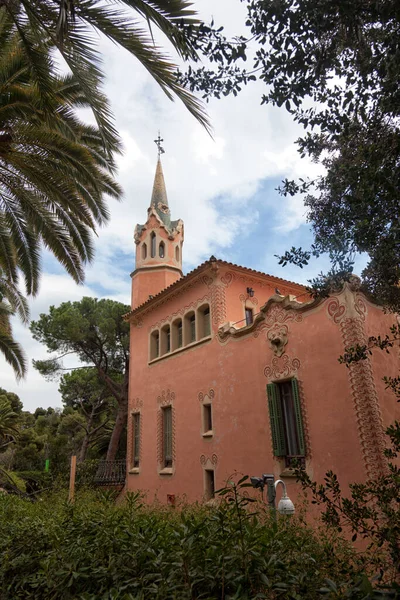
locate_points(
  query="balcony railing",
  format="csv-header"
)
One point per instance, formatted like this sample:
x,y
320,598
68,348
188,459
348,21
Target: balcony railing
x,y
110,472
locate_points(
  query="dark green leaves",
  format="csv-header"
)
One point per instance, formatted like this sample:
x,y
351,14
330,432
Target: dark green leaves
x,y
129,551
335,67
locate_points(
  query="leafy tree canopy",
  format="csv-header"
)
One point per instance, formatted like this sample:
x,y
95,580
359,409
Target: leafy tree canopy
x,y
94,331
90,328
335,66
13,399
93,406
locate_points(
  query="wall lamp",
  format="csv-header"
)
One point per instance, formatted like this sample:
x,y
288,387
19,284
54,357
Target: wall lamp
x,y
285,505
250,292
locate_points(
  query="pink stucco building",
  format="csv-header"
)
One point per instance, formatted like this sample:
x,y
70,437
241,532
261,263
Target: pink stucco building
x,y
233,370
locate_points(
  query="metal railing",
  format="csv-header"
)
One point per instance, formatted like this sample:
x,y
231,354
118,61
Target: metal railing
x,y
110,472
244,321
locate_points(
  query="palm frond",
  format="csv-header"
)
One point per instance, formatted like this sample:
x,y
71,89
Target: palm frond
x,y
55,171
13,352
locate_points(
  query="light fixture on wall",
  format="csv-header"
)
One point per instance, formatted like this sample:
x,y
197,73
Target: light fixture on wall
x,y
285,505
250,292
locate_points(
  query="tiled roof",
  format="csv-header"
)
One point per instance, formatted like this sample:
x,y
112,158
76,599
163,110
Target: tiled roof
x,y
202,267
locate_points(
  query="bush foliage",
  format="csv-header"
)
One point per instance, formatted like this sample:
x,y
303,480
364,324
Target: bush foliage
x,y
95,549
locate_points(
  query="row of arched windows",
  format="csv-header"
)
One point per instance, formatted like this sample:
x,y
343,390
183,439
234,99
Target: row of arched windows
x,y
194,326
153,248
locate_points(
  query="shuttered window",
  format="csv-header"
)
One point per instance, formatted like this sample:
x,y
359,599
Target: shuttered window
x,y
136,439
286,419
167,436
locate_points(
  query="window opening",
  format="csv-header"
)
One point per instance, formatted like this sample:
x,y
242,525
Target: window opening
x,y
167,436
177,253
136,439
168,348
153,241
189,328
289,419
286,420
165,345
161,250
154,345
176,334
249,316
209,484
207,325
193,328
144,251
207,418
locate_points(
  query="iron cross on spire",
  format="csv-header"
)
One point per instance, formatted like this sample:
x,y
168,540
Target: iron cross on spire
x,y
158,142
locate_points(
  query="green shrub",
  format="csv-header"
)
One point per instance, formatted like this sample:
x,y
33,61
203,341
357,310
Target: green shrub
x,y
94,550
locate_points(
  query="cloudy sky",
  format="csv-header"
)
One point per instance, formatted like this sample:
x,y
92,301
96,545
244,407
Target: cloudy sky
x,y
223,189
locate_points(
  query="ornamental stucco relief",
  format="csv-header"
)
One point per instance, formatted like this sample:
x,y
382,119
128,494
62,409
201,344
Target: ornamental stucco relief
x,y
348,311
206,460
282,367
201,396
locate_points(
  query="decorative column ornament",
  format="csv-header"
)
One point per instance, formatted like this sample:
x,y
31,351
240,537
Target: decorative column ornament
x,y
348,310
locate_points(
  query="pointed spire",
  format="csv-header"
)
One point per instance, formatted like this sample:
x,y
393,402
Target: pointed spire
x,y
159,200
159,194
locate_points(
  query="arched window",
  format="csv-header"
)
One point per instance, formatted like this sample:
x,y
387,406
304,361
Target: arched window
x,y
144,250
165,345
177,253
154,345
176,333
153,241
189,328
204,323
161,250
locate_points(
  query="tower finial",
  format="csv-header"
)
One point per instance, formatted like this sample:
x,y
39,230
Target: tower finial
x,y
158,143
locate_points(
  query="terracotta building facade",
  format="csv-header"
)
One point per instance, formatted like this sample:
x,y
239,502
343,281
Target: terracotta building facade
x,y
236,371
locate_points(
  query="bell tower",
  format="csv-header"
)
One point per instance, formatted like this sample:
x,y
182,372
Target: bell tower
x,y
158,244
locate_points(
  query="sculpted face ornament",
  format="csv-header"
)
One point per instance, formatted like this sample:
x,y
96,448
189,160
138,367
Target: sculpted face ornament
x,y
278,338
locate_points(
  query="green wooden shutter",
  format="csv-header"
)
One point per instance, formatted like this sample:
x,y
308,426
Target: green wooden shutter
x,y
167,434
275,415
136,444
299,418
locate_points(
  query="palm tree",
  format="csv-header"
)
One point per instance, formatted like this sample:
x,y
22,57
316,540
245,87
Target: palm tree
x,y
69,25
11,302
54,170
8,422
